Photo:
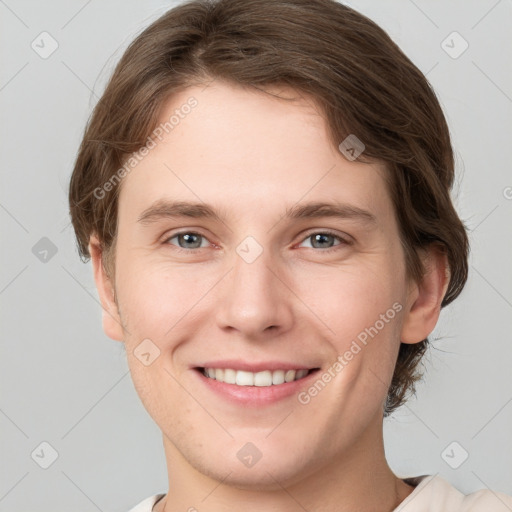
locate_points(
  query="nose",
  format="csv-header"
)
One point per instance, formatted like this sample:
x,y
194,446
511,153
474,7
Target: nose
x,y
255,298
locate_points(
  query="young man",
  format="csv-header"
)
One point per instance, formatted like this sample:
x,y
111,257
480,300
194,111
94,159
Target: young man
x,y
264,192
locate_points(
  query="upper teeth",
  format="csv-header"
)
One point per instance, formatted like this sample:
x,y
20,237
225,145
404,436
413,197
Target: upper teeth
x,y
264,378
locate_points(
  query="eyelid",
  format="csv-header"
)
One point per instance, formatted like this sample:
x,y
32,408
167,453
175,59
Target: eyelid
x,y
344,239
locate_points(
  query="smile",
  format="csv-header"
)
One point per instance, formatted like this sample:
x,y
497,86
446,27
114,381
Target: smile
x,y
263,378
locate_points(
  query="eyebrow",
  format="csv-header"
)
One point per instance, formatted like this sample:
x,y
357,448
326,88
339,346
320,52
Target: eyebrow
x,y
163,209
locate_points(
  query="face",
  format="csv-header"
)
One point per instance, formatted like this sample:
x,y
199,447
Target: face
x,y
258,279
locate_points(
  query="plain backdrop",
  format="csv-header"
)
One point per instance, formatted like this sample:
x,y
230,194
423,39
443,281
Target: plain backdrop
x,y
74,435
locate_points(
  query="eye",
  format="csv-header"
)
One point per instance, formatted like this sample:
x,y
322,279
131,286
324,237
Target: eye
x,y
188,240
323,240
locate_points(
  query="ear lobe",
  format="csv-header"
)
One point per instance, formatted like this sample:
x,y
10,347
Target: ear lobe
x,y
425,308
106,290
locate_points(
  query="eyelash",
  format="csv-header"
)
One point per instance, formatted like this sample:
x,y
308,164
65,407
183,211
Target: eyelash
x,y
343,241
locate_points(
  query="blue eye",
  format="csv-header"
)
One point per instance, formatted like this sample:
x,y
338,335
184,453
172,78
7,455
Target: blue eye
x,y
190,240
322,239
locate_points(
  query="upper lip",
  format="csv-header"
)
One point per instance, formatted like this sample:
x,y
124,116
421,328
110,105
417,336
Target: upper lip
x,y
254,366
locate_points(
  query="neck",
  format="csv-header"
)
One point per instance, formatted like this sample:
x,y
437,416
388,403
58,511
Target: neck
x,y
357,479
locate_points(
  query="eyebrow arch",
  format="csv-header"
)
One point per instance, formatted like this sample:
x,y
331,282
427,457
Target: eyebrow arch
x,y
163,208
337,210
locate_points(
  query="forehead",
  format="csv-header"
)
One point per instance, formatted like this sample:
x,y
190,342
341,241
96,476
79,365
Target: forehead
x,y
249,151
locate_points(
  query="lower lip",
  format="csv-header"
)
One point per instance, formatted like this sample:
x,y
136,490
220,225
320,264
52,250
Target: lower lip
x,y
256,395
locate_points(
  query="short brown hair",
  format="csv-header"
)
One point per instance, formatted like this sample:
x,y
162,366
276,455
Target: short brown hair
x,y
361,80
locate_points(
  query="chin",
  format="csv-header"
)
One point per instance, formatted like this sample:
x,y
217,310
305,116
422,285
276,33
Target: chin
x,y
261,477
244,466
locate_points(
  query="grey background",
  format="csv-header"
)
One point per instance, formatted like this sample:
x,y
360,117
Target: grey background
x,y
65,383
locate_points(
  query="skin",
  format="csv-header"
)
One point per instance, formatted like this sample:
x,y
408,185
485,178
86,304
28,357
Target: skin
x,y
251,156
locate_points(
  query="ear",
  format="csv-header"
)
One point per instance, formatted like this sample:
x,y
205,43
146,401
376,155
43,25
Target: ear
x,y
111,319
425,297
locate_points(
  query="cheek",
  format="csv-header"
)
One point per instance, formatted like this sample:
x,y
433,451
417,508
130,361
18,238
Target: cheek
x,y
350,300
361,310
154,299
156,309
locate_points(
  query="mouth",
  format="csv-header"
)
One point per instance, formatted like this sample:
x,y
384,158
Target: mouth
x,y
254,389
263,378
